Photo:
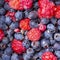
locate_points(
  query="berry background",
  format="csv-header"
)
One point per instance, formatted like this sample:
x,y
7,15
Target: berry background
x,y
29,29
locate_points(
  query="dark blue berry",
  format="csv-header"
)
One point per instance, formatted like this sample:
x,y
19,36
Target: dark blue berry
x,y
18,36
14,56
5,57
56,46
57,54
57,36
26,43
1,2
53,20
47,34
8,20
33,24
19,15
58,22
32,15
2,11
8,51
44,21
45,43
5,40
14,25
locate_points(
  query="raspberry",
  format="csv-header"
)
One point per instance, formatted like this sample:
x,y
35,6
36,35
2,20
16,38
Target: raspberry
x,y
42,27
46,9
48,56
17,46
27,4
57,11
11,14
34,34
24,24
1,34
15,4
20,4
6,0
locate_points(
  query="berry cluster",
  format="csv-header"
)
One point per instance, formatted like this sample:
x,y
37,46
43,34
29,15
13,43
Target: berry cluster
x,y
29,29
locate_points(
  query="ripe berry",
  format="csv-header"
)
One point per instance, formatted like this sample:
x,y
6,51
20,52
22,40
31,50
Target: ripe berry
x,y
17,46
1,34
48,56
15,4
46,9
57,11
20,4
34,34
42,27
24,24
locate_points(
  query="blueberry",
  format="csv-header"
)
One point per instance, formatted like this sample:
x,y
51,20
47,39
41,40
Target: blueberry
x,y
14,57
58,22
8,20
57,54
5,40
14,25
53,20
32,15
58,27
6,6
19,15
18,36
57,36
26,57
57,2
35,45
26,43
44,21
2,11
5,57
45,43
0,58
47,34
1,2
52,42
30,51
36,5
51,27
26,12
56,46
33,24
8,51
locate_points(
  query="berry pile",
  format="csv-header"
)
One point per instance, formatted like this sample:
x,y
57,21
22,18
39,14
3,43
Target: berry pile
x,y
29,29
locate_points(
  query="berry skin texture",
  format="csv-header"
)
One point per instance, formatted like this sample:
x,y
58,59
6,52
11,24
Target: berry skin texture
x,y
17,46
24,24
42,27
57,11
34,34
48,56
21,4
46,9
1,34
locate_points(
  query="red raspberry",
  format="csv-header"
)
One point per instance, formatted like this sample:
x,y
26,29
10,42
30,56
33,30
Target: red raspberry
x,y
1,34
24,24
11,14
46,9
57,11
49,56
42,27
7,0
15,4
17,46
27,4
34,34
20,4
